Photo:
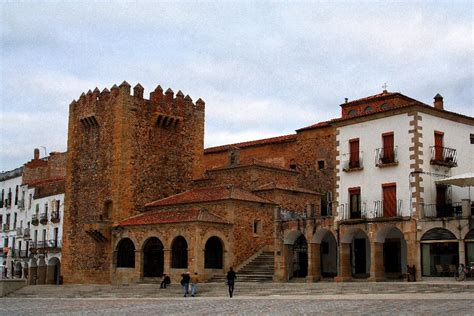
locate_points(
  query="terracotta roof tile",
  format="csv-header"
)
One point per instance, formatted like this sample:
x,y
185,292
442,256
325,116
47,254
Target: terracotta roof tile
x,y
44,181
209,194
253,162
259,142
168,217
275,186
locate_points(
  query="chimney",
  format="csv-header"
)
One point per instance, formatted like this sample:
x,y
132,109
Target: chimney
x,y
346,99
438,102
36,154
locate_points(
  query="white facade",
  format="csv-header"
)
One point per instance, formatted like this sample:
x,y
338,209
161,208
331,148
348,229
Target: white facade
x,y
370,177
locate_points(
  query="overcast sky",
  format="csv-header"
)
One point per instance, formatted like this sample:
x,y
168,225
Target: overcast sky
x,y
263,69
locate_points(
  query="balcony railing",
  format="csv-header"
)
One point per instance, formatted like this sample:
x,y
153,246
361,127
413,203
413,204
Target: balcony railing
x,y
26,233
46,244
5,228
386,156
346,213
21,204
380,212
55,217
19,232
34,219
44,218
441,210
443,156
352,163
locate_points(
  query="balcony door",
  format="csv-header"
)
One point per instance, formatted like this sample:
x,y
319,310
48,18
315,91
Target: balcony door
x,y
388,148
354,153
354,203
389,200
438,146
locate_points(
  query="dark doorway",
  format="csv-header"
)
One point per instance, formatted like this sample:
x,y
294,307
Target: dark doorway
x,y
300,258
213,257
179,253
126,254
153,260
359,256
57,273
392,256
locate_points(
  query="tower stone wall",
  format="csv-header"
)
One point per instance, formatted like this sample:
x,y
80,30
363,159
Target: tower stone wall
x,y
123,152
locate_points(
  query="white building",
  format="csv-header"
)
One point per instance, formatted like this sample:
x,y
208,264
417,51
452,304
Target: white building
x,y
391,149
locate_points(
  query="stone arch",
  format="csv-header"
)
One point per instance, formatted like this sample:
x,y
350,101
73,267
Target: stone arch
x,y
41,273
18,272
214,253
469,235
394,251
327,252
147,237
299,262
153,257
439,252
179,253
53,272
355,253
125,253
320,234
291,236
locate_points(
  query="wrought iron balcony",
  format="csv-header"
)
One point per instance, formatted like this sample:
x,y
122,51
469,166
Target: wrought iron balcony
x,y
55,217
21,204
352,162
19,232
34,220
441,210
386,156
5,228
443,156
44,218
380,212
357,213
26,233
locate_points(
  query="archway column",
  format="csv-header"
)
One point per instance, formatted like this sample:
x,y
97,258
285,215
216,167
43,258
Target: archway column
x,y
314,263
139,264
41,274
166,260
32,274
377,272
345,262
50,274
462,252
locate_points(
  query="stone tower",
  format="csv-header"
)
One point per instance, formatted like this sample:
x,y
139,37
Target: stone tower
x,y
123,152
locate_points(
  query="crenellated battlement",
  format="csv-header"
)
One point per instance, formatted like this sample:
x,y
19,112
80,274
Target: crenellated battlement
x,y
159,102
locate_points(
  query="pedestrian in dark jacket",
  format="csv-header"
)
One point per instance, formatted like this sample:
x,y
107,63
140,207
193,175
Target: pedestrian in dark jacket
x,y
165,281
185,283
230,280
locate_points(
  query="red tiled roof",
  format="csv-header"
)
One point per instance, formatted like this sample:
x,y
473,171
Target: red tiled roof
x,y
259,142
275,186
209,194
168,217
253,162
384,94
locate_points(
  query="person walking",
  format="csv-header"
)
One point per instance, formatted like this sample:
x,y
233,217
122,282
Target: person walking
x,y
194,282
230,280
185,283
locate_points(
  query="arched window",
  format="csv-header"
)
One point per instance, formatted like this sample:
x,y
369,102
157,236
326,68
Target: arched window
x,y
179,253
107,212
368,109
384,106
213,253
352,112
126,254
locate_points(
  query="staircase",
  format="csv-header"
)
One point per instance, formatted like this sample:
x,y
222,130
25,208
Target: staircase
x,y
260,269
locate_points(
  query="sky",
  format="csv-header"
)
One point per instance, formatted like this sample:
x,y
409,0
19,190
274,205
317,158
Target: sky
x,y
263,68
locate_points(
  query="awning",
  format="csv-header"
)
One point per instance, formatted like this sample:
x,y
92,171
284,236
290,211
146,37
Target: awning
x,y
461,180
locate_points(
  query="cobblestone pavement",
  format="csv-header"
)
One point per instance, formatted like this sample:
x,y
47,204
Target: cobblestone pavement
x,y
371,304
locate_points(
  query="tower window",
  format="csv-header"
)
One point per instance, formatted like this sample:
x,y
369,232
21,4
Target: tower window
x,y
320,164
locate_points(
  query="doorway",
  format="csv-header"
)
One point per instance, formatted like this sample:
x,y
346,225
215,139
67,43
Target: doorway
x,y
153,258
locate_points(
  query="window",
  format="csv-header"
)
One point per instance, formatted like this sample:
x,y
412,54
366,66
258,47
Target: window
x,y
35,239
8,220
354,161
46,208
16,195
388,152
389,199
384,106
1,220
438,138
44,234
257,226
5,242
15,217
354,202
30,200
9,198
368,109
472,138
320,164
292,164
3,198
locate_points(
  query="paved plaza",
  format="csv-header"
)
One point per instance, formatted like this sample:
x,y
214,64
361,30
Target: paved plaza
x,y
371,304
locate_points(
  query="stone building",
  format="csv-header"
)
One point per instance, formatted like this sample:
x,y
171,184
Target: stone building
x,y
143,196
